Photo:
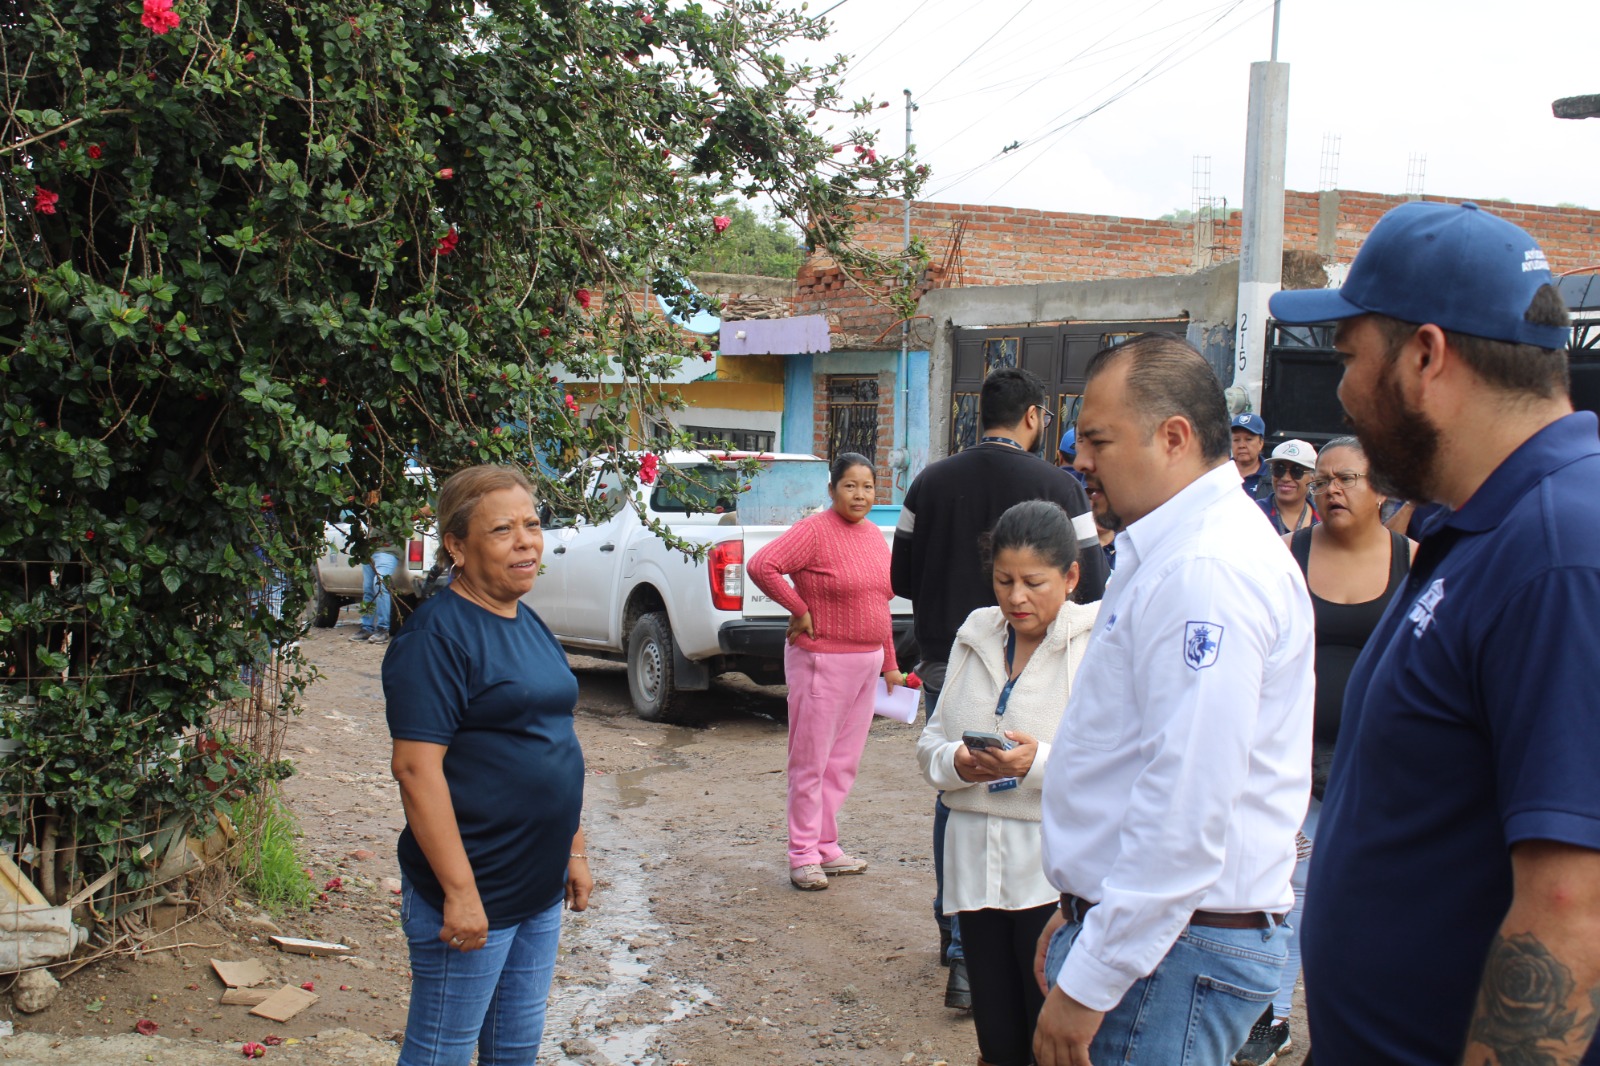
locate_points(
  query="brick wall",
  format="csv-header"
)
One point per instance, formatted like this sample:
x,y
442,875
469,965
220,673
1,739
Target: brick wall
x,y
1019,246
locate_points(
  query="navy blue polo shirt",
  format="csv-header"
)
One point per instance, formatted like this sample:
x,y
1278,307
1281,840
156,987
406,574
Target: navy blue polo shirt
x,y
1471,722
497,693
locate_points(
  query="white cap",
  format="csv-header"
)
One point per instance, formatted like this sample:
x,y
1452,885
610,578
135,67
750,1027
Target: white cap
x,y
1296,451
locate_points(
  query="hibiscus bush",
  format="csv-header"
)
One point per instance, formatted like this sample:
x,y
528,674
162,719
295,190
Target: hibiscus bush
x,y
261,258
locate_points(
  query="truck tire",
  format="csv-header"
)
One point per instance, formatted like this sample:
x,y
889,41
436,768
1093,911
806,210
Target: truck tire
x,y
651,683
325,608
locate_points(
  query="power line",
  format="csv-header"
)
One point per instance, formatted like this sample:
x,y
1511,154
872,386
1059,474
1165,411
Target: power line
x,y
835,7
1153,71
1027,4
1149,75
902,25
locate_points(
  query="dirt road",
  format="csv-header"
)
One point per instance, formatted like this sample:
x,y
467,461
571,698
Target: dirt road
x,y
696,950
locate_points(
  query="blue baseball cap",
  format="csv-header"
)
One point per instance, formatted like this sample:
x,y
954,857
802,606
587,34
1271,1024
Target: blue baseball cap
x,y
1250,423
1453,265
1069,441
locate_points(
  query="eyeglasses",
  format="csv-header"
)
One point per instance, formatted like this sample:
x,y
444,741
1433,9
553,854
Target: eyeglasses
x,y
1047,416
1346,478
1283,468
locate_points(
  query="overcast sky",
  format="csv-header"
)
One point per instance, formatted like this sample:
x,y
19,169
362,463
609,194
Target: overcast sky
x,y
1465,84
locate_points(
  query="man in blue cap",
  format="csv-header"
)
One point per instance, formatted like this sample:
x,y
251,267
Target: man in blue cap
x,y
1067,453
1453,910
1249,436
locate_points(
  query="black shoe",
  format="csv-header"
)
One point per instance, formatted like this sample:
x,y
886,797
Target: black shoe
x,y
1269,1040
957,992
944,945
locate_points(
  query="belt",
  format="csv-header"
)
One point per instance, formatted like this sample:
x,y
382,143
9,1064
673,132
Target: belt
x,y
1078,906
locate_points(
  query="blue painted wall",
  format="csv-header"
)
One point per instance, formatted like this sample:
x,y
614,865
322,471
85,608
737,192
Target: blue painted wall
x,y
799,392
797,414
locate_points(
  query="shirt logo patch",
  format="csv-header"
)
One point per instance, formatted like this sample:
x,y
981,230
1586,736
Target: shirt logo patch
x,y
1427,605
1201,641
1110,622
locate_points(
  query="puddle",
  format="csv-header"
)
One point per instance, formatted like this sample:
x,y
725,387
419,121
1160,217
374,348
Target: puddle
x,y
621,1020
631,790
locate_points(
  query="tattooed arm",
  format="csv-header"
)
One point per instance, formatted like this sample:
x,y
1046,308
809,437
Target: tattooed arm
x,y
1540,996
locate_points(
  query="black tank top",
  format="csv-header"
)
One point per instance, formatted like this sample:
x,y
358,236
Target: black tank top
x,y
1342,630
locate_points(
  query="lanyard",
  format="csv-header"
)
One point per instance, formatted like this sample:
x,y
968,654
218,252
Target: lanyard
x,y
1005,693
1007,441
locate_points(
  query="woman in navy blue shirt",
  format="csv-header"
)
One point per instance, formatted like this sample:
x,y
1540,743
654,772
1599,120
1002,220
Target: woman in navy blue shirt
x,y
479,701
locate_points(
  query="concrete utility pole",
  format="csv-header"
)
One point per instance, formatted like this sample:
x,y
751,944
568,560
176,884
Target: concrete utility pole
x,y
1261,237
1577,107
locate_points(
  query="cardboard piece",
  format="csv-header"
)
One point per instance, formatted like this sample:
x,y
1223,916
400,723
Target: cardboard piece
x,y
240,974
309,947
284,1004
245,997
16,887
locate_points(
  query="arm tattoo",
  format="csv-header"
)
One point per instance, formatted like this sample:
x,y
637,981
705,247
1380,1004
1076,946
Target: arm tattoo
x,y
1526,1014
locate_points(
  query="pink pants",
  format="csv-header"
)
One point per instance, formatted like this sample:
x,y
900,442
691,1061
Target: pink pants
x,y
830,712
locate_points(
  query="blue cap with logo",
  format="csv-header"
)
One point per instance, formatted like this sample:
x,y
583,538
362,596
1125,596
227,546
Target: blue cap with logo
x,y
1455,266
1250,423
1069,441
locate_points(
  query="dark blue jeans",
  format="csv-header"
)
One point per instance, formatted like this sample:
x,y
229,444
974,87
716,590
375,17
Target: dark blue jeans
x,y
932,675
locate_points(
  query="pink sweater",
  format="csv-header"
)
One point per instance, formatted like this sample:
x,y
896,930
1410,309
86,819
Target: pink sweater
x,y
840,571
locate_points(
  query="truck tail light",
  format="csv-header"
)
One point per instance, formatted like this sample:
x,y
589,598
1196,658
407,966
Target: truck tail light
x,y
727,576
414,555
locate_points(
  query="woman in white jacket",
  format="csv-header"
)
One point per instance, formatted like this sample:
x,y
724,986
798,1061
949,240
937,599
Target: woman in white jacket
x,y
1010,674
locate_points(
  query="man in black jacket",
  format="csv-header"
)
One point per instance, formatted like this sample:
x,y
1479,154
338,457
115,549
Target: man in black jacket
x,y
937,563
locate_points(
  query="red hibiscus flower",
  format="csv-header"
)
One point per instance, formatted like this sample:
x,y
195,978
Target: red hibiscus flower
x,y
706,357
445,173
145,1027
158,17
448,242
272,1040
253,1050
44,201
872,155
646,18
572,405
583,296
544,331
649,464
334,884
721,222
309,986
94,151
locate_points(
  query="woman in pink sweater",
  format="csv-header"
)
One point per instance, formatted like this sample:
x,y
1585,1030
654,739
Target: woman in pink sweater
x,y
840,640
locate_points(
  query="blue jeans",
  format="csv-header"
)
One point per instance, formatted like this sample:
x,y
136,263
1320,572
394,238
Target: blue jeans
x,y
1283,1002
376,592
932,684
1196,1009
492,999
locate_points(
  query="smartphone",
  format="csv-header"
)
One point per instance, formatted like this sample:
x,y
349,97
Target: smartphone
x,y
980,741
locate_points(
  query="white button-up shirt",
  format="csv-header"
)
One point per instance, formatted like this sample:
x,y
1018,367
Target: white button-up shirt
x,y
1182,766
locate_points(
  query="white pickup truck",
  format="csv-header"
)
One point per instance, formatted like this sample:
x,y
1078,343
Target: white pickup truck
x,y
612,588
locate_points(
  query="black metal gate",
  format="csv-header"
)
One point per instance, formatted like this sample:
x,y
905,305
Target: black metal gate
x,y
1058,354
853,415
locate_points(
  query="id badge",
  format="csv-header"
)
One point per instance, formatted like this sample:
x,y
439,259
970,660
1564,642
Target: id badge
x,y
1005,784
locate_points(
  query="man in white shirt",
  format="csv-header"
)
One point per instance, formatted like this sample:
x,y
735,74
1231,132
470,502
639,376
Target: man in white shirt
x,y
1182,766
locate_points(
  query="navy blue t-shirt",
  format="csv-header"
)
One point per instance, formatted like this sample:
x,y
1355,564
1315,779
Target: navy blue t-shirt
x,y
498,693
1471,723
